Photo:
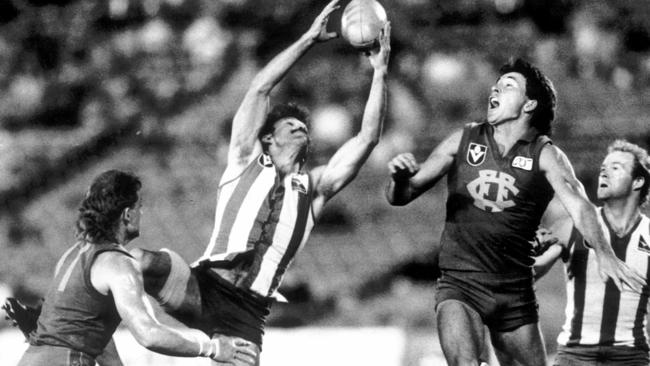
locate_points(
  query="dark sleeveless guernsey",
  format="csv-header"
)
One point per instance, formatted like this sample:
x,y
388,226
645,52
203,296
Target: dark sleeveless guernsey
x,y
494,204
74,314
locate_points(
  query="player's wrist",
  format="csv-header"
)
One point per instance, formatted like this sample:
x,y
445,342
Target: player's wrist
x,y
208,348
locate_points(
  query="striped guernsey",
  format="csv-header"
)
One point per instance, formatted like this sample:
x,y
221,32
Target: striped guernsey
x,y
597,313
261,222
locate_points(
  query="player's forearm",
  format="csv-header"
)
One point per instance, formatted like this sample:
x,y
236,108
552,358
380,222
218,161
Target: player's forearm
x,y
278,67
173,342
544,262
586,220
375,110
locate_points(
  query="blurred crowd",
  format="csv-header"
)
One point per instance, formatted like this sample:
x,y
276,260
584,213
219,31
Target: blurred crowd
x,y
81,79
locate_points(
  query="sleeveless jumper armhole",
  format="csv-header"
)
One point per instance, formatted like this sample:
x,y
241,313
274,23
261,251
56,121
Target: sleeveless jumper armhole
x,y
87,282
540,142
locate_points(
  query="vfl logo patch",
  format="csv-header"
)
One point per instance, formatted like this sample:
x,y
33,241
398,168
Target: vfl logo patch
x,y
297,185
643,246
493,191
265,161
476,154
522,163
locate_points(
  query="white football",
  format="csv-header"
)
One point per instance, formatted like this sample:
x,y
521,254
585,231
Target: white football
x,y
361,23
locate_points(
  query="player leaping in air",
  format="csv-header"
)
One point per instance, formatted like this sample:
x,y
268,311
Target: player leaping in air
x,y
501,175
267,201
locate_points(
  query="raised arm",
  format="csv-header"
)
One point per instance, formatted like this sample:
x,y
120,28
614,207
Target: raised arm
x,y
348,159
253,110
120,276
559,173
409,180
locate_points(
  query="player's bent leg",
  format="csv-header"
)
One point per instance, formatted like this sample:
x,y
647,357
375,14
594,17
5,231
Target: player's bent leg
x,y
461,333
168,278
523,346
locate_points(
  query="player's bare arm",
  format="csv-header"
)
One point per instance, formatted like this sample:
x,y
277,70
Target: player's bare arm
x,y
252,112
559,173
410,179
555,228
348,159
119,275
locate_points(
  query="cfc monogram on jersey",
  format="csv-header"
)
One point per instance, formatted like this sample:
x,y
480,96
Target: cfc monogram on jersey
x,y
493,191
495,202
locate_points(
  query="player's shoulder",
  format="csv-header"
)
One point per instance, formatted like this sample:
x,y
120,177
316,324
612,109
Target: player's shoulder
x,y
114,261
551,154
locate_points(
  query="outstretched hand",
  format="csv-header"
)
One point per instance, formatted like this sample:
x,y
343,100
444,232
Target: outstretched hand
x,y
403,166
235,351
318,30
21,316
620,273
379,56
544,238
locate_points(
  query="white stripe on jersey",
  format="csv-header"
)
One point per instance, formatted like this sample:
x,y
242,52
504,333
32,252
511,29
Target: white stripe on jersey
x,y
225,191
248,211
282,236
591,322
239,203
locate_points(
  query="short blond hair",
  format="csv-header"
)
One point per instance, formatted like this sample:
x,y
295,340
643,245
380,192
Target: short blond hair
x,y
641,167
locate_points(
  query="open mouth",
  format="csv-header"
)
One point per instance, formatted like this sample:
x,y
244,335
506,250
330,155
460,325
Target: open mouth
x,y
493,103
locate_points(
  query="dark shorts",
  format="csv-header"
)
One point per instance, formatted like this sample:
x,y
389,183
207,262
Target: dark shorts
x,y
54,356
229,310
504,302
601,356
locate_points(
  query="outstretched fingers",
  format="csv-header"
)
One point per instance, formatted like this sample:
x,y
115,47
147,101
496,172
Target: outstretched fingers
x,y
321,22
622,275
632,279
244,347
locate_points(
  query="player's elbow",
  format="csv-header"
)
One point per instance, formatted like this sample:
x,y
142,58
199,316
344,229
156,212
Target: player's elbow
x,y
148,337
260,86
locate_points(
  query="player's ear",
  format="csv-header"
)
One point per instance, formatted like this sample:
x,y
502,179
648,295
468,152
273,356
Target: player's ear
x,y
530,106
267,138
127,214
638,183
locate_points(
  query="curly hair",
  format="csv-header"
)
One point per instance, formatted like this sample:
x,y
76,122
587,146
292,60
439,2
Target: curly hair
x,y
109,194
539,88
279,112
641,168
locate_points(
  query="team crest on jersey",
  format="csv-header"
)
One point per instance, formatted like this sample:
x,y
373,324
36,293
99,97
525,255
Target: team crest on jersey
x,y
265,161
643,245
297,185
493,191
522,162
476,154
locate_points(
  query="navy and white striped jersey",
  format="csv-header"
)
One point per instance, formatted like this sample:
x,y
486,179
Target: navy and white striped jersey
x,y
261,222
597,313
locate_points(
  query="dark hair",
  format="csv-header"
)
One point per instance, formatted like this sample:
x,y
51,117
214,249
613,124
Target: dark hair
x,y
641,168
281,111
539,88
109,194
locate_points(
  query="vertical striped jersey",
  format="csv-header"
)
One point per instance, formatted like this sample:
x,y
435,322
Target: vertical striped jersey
x,y
261,222
597,313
